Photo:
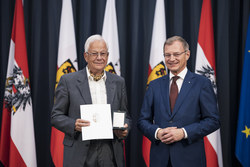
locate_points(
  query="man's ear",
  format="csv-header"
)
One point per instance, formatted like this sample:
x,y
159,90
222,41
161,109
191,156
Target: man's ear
x,y
85,56
187,55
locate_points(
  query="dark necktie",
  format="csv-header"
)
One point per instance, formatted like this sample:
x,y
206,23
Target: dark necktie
x,y
173,92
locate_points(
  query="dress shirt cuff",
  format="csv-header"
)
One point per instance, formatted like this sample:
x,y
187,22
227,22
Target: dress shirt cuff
x,y
156,133
185,133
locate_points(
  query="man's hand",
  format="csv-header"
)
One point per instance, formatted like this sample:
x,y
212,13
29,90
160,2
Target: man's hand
x,y
80,123
170,135
121,133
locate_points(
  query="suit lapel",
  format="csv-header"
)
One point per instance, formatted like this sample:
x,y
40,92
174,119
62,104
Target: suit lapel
x,y
83,86
186,86
110,87
165,93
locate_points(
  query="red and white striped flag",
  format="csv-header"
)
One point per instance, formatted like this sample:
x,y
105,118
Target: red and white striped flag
x,y
157,67
17,145
66,63
205,65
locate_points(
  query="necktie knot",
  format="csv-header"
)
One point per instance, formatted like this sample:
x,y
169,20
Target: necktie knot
x,y
175,78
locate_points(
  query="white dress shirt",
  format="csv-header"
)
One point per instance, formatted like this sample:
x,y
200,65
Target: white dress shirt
x,y
97,89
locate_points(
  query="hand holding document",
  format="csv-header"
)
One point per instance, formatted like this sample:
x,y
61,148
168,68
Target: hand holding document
x,y
99,116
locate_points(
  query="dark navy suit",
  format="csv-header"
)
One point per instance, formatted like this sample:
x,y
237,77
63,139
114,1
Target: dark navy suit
x,y
195,110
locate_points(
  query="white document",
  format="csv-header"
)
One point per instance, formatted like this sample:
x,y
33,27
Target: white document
x,y
99,116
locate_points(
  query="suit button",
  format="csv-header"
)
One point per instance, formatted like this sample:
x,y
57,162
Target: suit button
x,y
170,121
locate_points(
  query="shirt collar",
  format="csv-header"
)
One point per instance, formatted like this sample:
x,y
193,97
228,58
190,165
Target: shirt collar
x,y
104,77
182,74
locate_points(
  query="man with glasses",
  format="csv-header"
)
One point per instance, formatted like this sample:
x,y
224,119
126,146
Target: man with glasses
x,y
179,109
92,85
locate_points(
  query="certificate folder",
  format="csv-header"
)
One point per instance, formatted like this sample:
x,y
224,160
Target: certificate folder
x,y
99,116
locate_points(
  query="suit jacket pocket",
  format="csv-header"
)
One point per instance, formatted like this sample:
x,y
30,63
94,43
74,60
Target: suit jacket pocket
x,y
68,142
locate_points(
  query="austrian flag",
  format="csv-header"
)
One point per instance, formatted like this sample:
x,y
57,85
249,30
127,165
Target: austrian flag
x,y
17,144
205,65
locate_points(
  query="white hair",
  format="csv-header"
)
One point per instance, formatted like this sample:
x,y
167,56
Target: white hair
x,y
93,38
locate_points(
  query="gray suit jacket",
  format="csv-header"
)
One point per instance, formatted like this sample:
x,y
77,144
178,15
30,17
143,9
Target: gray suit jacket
x,y
73,91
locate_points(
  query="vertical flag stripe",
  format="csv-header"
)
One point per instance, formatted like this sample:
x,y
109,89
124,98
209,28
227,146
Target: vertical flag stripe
x,y
17,139
56,147
14,154
110,35
18,35
156,61
146,144
5,136
66,63
206,32
67,41
158,35
205,65
211,156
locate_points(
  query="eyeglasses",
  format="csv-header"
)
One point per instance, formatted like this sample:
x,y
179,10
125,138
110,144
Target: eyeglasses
x,y
176,55
96,54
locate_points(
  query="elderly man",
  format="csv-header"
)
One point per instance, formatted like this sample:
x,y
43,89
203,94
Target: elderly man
x,y
92,85
179,109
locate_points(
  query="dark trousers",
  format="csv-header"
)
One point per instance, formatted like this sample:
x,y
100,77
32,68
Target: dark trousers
x,y
169,163
100,154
